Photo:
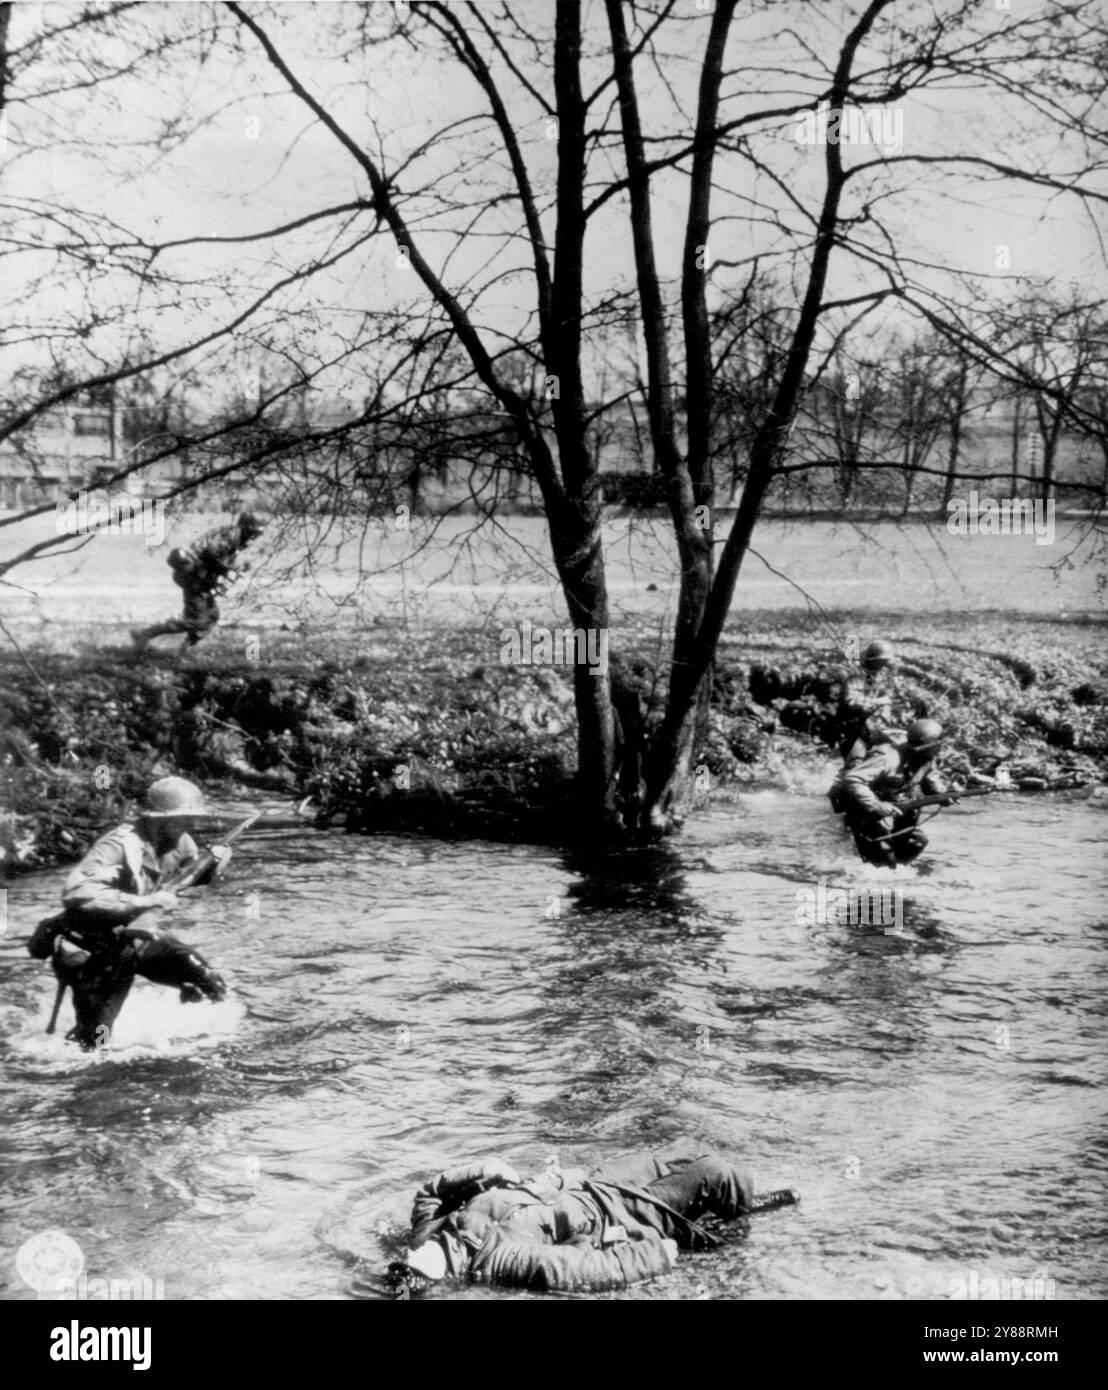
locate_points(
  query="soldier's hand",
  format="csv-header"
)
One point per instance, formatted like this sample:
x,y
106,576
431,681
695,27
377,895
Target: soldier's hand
x,y
162,898
140,933
670,1247
888,810
222,856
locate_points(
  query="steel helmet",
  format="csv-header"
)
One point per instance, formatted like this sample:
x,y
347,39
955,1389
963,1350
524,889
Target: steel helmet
x,y
174,796
925,734
879,651
249,522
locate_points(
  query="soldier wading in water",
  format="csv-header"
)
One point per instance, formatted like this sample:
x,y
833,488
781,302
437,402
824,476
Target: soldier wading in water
x,y
866,793
91,943
863,714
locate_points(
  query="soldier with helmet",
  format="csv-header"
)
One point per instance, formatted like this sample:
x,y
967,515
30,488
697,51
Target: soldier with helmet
x,y
867,793
204,570
863,716
93,946
848,708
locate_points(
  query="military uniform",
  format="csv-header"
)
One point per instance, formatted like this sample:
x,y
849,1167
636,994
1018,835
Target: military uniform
x,y
864,717
863,791
202,570
567,1231
101,892
91,949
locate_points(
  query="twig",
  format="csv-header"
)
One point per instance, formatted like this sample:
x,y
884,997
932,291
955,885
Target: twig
x,y
35,675
813,603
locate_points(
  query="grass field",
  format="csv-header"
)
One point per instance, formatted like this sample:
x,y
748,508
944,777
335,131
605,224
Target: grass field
x,y
448,572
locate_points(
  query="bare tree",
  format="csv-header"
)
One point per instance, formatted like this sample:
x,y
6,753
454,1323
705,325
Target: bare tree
x,y
560,124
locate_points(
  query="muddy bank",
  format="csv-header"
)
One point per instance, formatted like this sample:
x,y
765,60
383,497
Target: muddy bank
x,y
414,733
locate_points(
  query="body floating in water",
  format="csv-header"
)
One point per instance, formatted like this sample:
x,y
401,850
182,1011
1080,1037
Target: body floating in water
x,y
567,1231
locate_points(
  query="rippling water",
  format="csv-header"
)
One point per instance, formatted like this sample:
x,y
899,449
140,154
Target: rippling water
x,y
935,1092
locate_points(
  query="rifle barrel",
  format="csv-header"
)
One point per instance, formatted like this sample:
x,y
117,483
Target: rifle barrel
x,y
942,798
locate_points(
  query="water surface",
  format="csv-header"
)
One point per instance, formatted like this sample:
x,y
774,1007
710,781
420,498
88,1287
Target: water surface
x,y
936,1092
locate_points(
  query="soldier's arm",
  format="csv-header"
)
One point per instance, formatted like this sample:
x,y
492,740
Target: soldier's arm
x,y
862,700
187,852
92,887
528,1264
216,551
857,782
453,1189
854,698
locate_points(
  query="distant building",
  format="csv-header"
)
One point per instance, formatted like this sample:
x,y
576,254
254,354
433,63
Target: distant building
x,y
68,448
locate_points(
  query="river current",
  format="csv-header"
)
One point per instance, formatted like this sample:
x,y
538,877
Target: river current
x,y
933,1086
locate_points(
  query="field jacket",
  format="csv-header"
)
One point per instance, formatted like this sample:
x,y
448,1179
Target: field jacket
x,y
864,714
206,565
103,890
883,776
583,1237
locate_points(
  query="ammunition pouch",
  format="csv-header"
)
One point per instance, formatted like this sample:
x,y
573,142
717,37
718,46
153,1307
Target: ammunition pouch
x,y
41,941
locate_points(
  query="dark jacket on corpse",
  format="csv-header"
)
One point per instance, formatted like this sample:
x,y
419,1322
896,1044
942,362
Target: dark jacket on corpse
x,y
587,1234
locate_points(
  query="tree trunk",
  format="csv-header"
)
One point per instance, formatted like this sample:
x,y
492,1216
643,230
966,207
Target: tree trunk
x,y
955,449
575,518
670,750
1015,457
1050,449
689,482
909,477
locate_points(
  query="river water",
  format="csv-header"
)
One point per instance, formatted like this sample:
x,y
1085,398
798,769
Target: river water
x,y
935,1090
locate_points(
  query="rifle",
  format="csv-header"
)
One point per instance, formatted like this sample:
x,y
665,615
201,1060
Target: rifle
x,y
189,875
765,1201
946,798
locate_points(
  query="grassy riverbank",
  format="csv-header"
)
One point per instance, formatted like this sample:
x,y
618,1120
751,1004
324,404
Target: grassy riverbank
x,y
422,728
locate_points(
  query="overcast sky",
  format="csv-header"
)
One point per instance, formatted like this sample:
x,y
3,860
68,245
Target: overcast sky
x,y
256,158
